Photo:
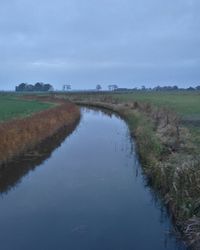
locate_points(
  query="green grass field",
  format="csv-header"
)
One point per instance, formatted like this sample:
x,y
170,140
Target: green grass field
x,y
187,104
13,107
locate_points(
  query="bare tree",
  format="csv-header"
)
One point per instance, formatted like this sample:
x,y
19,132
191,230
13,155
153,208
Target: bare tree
x,y
98,87
66,87
112,87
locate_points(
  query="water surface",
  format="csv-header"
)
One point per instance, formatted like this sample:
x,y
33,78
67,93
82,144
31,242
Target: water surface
x,y
88,195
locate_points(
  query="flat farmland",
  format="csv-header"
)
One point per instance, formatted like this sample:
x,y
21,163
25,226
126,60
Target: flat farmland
x,y
185,103
13,107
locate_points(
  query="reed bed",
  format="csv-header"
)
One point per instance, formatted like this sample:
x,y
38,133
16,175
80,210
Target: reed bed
x,y
19,135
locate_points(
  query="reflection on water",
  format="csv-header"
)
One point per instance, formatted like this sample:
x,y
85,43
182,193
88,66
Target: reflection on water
x,y
89,194
12,172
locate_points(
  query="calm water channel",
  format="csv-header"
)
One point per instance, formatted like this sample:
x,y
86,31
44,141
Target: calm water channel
x,y
85,192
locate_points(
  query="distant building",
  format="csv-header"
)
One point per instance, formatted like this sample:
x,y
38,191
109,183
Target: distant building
x,y
39,87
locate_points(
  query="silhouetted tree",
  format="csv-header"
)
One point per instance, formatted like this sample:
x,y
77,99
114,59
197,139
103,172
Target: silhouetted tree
x,y
112,87
98,87
198,87
39,86
66,87
21,87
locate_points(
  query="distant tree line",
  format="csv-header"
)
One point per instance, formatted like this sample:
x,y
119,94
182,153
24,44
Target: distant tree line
x,y
169,88
39,86
114,87
158,88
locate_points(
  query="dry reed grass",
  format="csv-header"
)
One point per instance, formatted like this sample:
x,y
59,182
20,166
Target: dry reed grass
x,y
20,135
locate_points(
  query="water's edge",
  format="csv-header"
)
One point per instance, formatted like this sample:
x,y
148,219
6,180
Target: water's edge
x,y
106,161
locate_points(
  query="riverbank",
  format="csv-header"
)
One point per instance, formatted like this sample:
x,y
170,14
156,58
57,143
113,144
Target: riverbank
x,y
169,158
20,135
12,174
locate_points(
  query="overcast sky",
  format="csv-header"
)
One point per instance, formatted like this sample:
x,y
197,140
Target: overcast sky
x,y
86,42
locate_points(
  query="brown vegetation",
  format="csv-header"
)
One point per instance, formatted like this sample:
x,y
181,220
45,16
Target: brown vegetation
x,y
17,136
12,173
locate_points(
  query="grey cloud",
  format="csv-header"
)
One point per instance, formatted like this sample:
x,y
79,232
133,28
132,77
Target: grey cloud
x,y
132,42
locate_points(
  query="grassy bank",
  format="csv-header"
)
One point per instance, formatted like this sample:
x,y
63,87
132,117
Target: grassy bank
x,y
169,153
19,135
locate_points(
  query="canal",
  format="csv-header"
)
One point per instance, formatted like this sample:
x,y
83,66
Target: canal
x,y
86,193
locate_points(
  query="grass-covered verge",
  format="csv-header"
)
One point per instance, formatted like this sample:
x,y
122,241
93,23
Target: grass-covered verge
x,y
12,107
19,135
169,156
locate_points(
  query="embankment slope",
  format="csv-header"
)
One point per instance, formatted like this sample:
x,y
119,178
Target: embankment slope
x,y
20,135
